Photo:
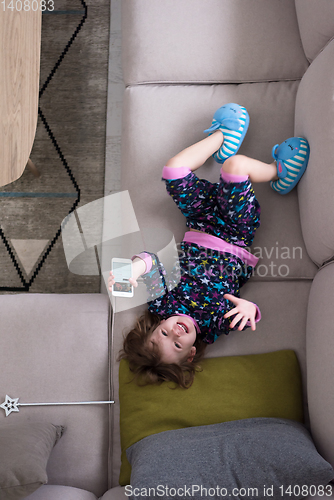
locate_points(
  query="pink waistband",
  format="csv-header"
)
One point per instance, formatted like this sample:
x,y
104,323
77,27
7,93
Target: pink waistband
x,y
173,173
215,243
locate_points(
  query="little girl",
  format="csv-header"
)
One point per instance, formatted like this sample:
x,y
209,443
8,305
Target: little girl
x,y
200,300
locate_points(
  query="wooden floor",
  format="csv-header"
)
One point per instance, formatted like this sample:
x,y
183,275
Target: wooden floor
x,y
69,151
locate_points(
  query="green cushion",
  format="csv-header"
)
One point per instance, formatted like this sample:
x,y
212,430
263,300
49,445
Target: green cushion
x,y
228,388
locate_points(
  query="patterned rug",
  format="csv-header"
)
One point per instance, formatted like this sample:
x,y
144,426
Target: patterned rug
x,y
68,152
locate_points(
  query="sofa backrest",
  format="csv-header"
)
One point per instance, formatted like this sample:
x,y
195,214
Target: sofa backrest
x,y
316,25
212,42
314,119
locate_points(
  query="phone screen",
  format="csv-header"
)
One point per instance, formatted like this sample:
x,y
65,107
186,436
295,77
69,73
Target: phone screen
x,y
122,272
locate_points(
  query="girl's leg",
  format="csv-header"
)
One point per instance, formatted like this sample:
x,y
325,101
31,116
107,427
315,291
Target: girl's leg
x,y
194,156
257,171
193,196
236,200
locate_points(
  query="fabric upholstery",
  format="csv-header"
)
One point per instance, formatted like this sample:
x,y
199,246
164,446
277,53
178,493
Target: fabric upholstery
x,y
260,457
60,348
216,41
49,492
316,25
25,450
117,493
320,366
315,121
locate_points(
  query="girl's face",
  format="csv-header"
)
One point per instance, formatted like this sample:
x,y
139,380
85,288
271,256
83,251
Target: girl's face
x,y
175,337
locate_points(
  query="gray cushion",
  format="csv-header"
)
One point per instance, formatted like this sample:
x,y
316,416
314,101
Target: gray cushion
x,y
315,121
316,25
25,450
215,41
246,454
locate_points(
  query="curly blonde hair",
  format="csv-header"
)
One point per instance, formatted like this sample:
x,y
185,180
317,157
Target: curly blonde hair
x,y
146,364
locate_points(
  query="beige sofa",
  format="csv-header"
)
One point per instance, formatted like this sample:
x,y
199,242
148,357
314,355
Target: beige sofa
x,y
181,61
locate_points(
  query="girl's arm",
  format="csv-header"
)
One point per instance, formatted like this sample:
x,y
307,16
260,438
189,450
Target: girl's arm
x,y
153,275
150,268
138,269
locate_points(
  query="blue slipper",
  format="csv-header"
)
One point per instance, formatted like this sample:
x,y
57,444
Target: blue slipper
x,y
292,158
233,121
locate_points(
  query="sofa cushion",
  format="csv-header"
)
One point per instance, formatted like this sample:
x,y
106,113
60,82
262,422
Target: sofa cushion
x,y
315,121
160,121
117,493
227,388
54,492
25,450
259,458
320,365
60,342
215,41
316,25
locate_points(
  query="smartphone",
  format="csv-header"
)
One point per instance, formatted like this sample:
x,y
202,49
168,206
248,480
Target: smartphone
x,y
122,271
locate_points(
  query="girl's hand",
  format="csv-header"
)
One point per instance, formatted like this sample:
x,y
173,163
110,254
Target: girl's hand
x,y
138,268
245,311
111,281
